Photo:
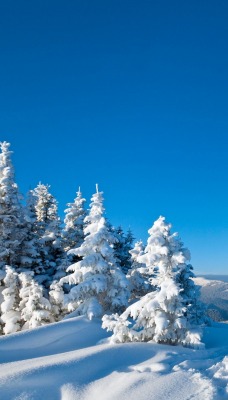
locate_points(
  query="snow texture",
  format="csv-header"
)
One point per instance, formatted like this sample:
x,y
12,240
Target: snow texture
x,y
74,360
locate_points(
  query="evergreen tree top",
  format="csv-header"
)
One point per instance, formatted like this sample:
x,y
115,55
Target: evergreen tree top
x,y
5,146
75,210
96,207
6,167
46,205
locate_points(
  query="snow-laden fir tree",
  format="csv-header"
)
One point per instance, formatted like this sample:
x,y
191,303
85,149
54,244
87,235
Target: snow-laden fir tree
x,y
122,247
137,274
181,270
73,234
11,317
56,297
196,310
101,286
48,230
35,309
11,214
31,259
162,315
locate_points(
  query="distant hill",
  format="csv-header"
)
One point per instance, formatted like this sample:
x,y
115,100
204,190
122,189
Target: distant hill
x,y
215,277
214,292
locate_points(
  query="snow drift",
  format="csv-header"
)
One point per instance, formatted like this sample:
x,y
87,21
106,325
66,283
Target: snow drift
x,y
73,359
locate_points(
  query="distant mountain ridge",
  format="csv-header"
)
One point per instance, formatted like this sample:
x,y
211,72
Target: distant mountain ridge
x,y
214,277
214,293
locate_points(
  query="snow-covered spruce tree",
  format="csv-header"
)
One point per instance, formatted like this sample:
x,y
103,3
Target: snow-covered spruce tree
x,y
196,310
31,259
183,273
11,214
34,307
11,317
56,297
73,234
100,284
48,231
137,274
122,248
162,315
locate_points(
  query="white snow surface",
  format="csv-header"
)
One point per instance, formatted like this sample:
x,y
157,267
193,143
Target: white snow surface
x,y
73,360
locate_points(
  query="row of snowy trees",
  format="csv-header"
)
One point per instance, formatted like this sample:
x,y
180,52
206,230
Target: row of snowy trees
x,y
90,268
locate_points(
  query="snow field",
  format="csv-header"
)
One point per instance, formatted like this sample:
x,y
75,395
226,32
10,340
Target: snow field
x,y
73,359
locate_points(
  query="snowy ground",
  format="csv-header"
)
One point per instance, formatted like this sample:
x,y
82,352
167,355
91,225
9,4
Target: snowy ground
x,y
66,361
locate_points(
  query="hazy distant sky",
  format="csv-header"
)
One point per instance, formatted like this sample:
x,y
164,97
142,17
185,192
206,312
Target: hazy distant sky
x,y
132,95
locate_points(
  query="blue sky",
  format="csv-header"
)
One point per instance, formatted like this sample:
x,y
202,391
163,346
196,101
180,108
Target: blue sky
x,y
132,95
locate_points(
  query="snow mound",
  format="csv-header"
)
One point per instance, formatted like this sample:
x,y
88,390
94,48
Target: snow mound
x,y
73,360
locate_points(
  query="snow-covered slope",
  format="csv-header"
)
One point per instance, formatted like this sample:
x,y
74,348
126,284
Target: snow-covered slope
x,y
72,360
215,294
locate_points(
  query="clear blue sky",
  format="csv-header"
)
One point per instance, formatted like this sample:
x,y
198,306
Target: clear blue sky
x,y
132,95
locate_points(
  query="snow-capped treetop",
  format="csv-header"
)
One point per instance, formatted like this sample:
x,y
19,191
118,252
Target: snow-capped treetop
x,y
164,251
96,233
156,249
46,205
74,222
30,209
5,158
11,215
137,251
96,208
8,187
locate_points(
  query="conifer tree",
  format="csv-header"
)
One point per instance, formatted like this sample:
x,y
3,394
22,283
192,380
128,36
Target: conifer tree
x,y
30,259
11,214
11,317
137,274
56,297
48,232
100,284
161,315
34,307
122,247
195,309
73,234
